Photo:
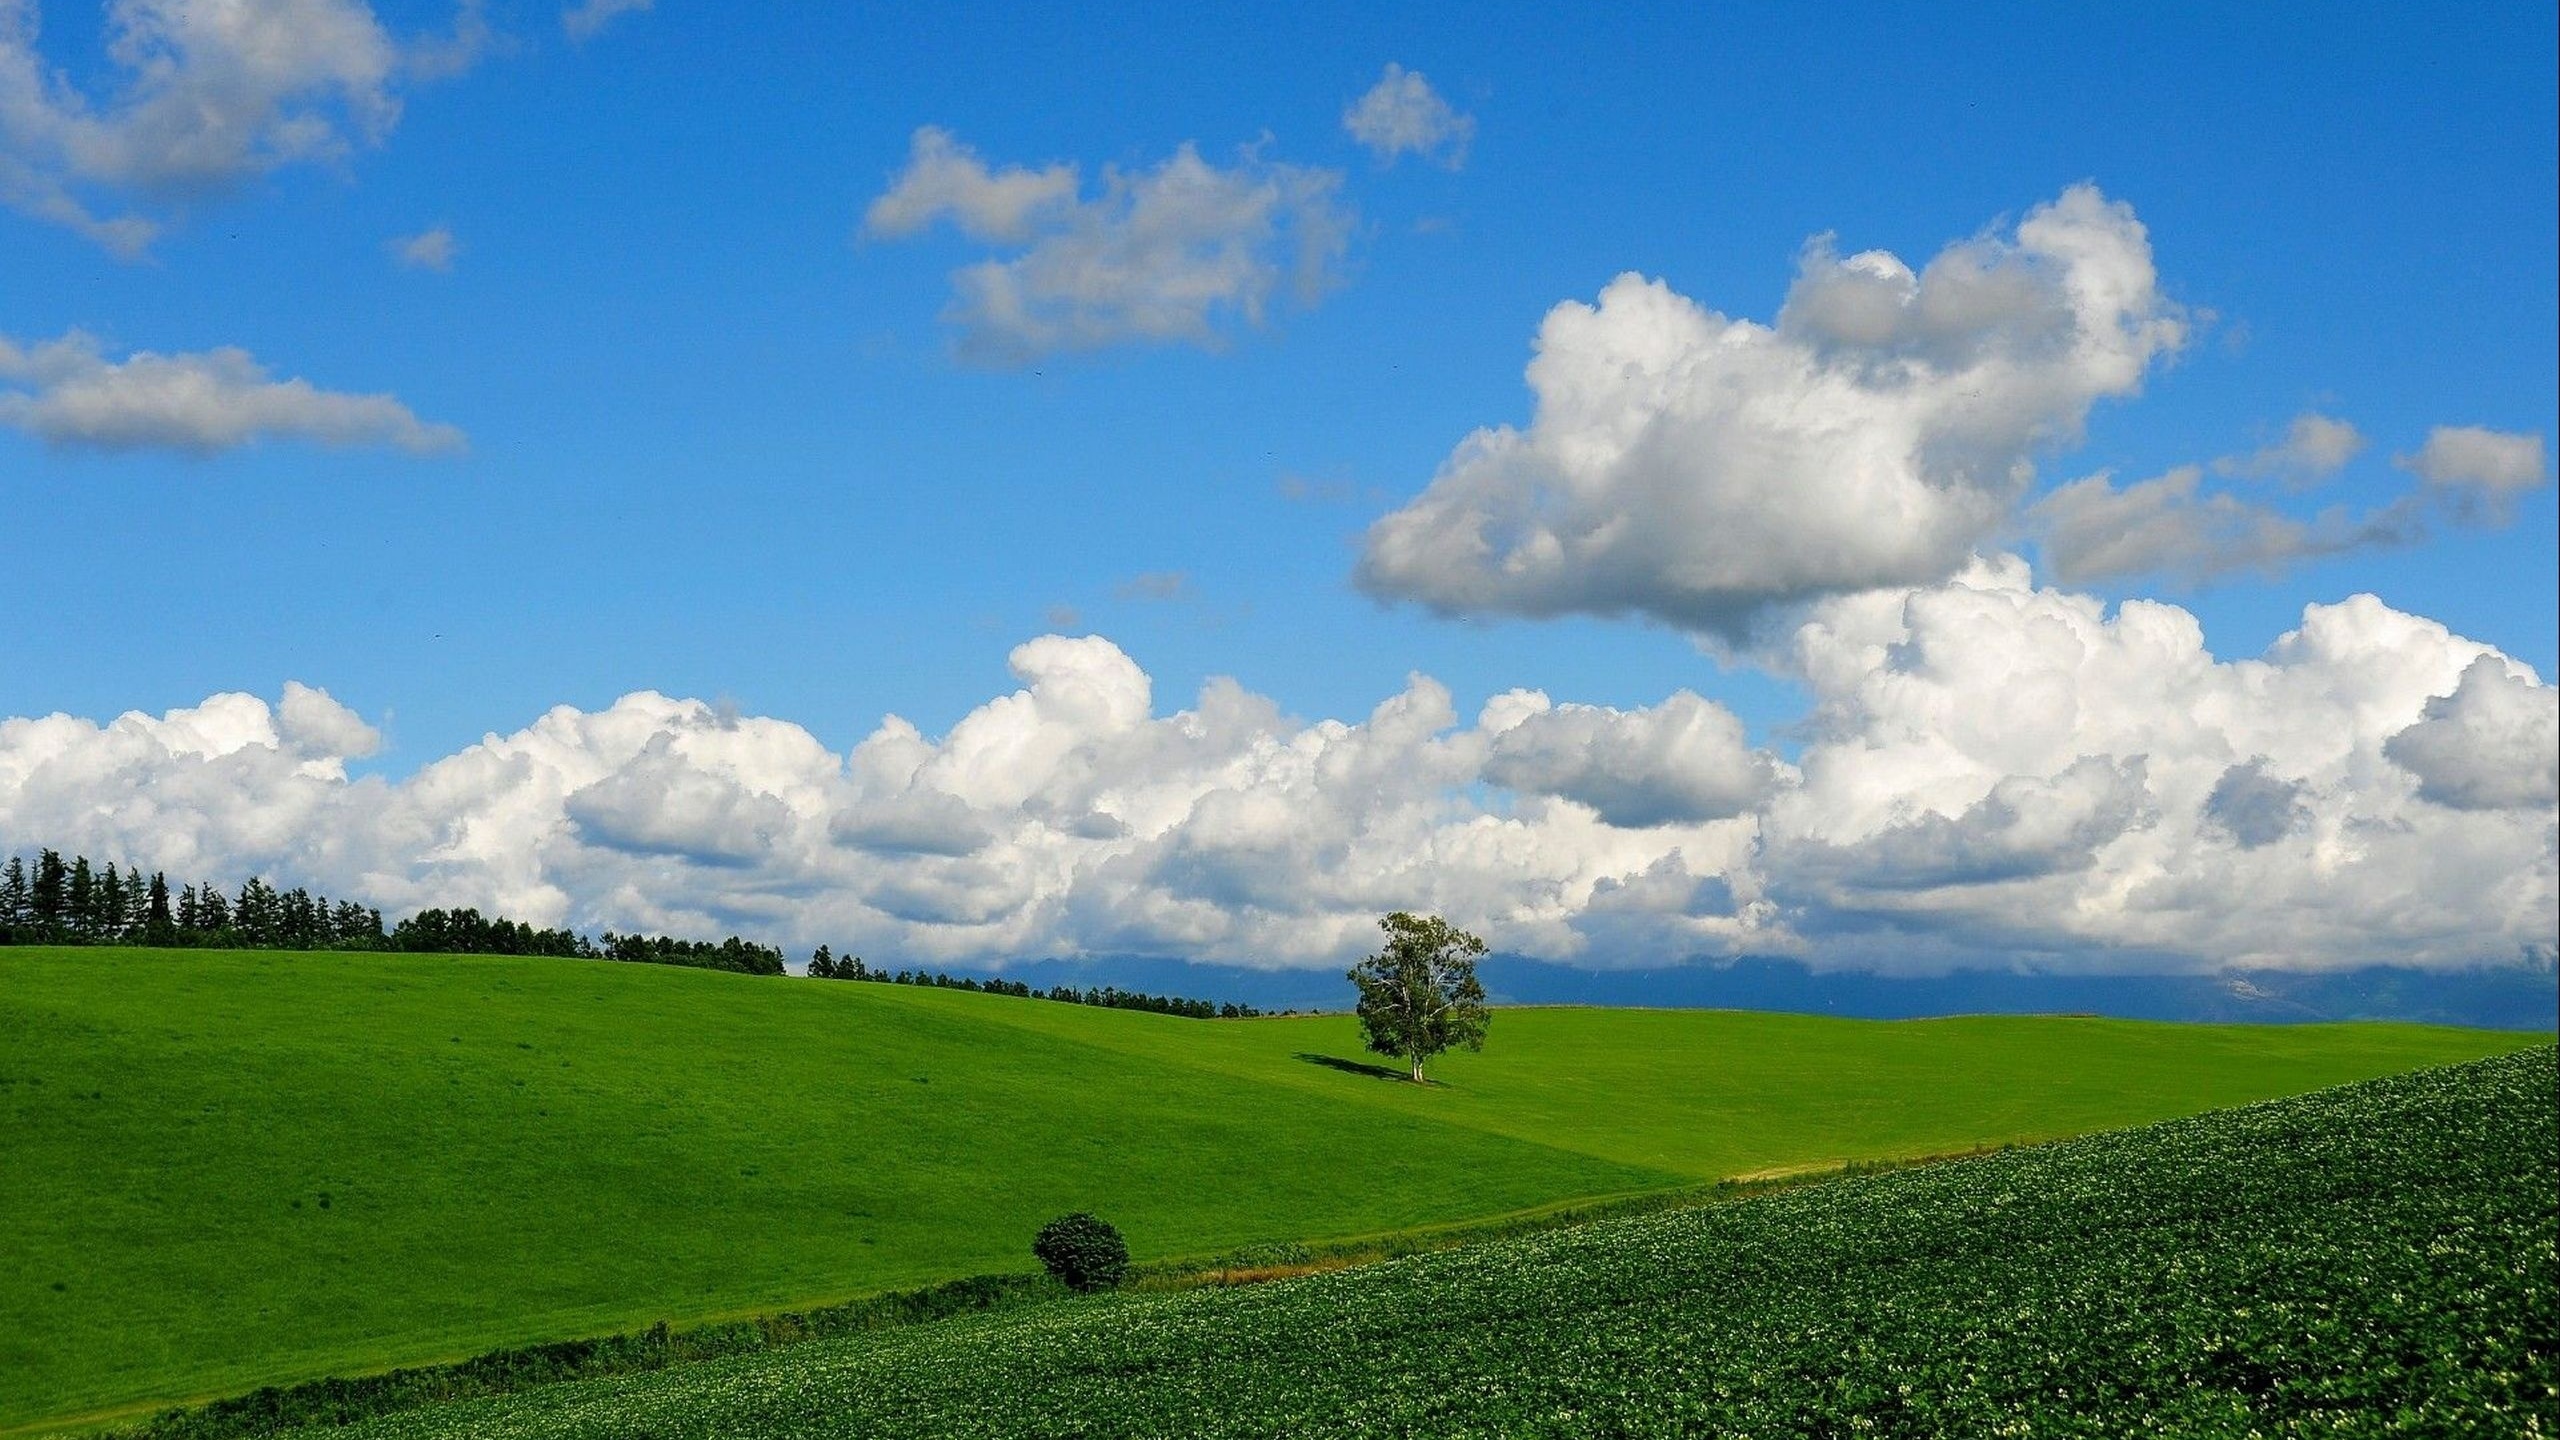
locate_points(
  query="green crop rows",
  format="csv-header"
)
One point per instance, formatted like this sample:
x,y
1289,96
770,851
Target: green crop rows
x,y
2375,1259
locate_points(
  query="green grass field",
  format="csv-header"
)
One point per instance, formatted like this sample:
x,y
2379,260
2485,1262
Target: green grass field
x,y
229,1169
2376,1259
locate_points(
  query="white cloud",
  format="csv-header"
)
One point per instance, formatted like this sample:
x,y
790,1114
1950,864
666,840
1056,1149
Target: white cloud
x,y
1929,701
2027,827
31,190
945,179
209,92
2254,807
1178,253
430,249
2493,744
915,822
2314,448
1685,760
2092,531
660,802
587,19
2481,470
311,722
2374,788
1702,470
1402,114
66,392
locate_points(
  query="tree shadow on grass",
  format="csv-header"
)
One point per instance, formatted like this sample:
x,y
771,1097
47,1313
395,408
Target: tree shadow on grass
x,y
1353,1067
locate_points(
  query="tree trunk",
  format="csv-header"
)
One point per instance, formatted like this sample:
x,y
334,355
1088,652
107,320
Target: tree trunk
x,y
1417,1067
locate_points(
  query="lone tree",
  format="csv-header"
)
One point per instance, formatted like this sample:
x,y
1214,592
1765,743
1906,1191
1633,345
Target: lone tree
x,y
1419,995
1083,1252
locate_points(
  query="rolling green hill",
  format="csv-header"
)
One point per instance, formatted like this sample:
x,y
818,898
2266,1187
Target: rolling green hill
x,y
2376,1259
226,1169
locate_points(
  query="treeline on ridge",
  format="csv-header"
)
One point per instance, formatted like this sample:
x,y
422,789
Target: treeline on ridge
x,y
825,966
72,902
59,902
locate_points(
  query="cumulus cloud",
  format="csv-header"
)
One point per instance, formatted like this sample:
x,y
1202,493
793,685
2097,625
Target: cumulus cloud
x,y
311,723
208,93
2372,788
2254,806
2480,471
66,392
660,802
1180,253
1685,760
431,249
1706,471
1929,700
2091,530
587,19
1403,115
945,180
915,822
2493,744
2027,826
2314,448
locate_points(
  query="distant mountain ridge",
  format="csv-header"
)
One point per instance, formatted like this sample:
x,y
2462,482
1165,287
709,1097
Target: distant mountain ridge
x,y
2519,996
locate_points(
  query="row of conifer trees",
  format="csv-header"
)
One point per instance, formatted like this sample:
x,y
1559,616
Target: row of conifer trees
x,y
73,902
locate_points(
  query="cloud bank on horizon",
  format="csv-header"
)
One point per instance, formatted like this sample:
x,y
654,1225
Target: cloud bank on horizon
x,y
2372,789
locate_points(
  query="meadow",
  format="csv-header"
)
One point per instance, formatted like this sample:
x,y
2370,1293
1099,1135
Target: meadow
x,y
2376,1259
228,1169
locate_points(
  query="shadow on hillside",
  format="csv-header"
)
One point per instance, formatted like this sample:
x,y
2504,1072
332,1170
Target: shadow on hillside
x,y
1351,1067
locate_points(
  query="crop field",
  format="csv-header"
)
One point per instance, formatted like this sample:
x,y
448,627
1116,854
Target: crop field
x,y
2372,1260
232,1169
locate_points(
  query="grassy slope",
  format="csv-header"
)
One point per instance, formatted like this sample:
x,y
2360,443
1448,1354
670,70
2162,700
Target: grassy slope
x,y
1713,1094
522,1149
2375,1259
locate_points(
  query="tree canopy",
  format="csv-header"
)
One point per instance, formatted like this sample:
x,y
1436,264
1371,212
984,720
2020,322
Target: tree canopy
x,y
1419,996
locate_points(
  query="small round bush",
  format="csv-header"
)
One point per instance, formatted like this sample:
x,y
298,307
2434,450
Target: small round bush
x,y
1083,1252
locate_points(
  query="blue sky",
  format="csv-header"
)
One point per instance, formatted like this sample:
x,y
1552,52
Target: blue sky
x,y
723,444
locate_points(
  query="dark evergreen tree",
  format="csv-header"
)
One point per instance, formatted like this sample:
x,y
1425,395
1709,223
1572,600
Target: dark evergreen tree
x,y
159,927
213,913
254,913
50,894
298,921
17,904
107,923
80,898
353,926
